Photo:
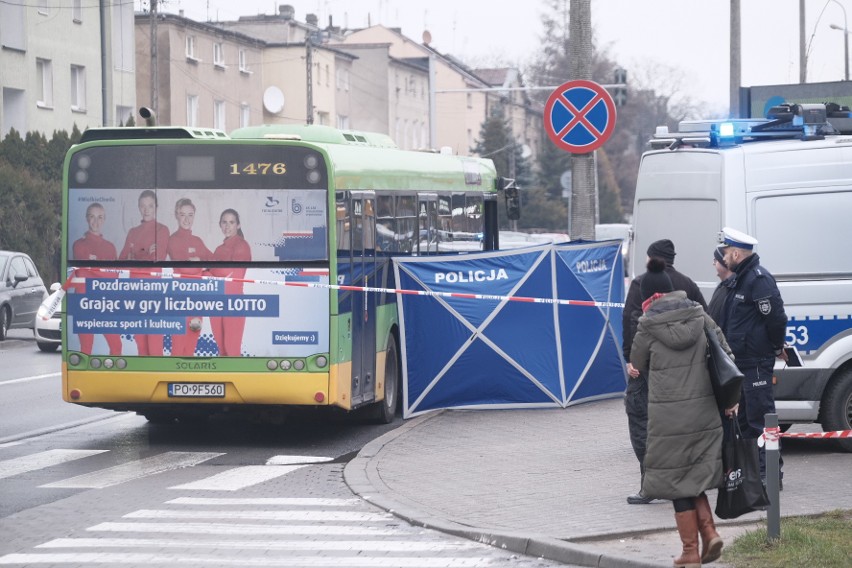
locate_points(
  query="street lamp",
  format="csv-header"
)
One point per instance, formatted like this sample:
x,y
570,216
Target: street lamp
x,y
846,33
845,30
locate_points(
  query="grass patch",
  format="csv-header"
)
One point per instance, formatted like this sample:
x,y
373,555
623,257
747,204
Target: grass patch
x,y
824,541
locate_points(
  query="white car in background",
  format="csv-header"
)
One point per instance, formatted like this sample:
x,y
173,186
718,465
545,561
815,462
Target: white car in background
x,y
21,291
48,333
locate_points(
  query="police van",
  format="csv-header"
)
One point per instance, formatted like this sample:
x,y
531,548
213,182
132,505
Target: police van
x,y
787,181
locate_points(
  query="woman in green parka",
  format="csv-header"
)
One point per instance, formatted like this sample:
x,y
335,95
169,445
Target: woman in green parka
x,y
684,455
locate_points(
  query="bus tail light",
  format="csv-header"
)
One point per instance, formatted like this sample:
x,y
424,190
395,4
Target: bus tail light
x,y
75,394
320,396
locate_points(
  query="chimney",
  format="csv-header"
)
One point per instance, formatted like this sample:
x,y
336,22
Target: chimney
x,y
286,11
311,20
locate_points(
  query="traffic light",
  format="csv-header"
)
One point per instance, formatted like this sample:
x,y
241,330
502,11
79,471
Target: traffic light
x,y
619,93
513,198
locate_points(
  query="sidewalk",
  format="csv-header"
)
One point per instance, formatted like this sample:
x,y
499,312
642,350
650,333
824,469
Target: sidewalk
x,y
554,483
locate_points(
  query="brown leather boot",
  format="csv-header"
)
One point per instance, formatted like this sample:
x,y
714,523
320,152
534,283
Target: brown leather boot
x,y
711,542
687,528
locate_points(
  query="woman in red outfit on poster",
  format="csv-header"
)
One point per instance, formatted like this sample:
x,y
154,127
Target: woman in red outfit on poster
x,y
142,244
93,246
183,245
228,332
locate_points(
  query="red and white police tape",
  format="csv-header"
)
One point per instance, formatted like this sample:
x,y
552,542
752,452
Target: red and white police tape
x,y
46,312
772,435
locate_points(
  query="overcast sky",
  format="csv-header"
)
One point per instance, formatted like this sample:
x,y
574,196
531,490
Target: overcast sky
x,y
690,36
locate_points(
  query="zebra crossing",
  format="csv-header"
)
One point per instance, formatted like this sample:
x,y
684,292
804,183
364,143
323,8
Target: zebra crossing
x,y
209,523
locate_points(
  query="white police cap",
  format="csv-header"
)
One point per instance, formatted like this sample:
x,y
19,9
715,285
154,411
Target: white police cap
x,y
733,238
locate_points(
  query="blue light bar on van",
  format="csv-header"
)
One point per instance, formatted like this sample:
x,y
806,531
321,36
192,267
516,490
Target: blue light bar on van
x,y
726,129
725,134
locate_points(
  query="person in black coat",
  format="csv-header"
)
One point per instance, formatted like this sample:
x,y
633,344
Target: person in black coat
x,y
636,394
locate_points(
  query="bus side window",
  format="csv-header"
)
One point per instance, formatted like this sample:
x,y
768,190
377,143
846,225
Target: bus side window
x,y
445,220
344,225
369,226
406,223
386,235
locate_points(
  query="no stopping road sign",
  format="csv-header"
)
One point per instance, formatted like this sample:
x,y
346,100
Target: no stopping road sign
x,y
579,116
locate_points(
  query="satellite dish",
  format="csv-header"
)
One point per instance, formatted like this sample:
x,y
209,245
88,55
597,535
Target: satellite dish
x,y
273,100
427,37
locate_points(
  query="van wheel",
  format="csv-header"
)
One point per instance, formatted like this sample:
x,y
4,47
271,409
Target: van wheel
x,y
384,411
5,322
837,408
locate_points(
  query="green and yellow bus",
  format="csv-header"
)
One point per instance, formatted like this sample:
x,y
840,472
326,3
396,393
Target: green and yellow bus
x,y
205,269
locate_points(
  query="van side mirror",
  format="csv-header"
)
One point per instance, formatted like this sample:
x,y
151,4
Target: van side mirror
x,y
513,198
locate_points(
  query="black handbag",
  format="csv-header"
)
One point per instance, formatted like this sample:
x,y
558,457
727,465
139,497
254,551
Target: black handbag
x,y
742,491
727,379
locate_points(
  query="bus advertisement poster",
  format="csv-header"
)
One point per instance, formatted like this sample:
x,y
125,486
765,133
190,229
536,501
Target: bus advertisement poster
x,y
199,318
196,225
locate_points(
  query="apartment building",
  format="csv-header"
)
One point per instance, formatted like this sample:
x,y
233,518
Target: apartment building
x,y
205,76
388,95
54,73
463,98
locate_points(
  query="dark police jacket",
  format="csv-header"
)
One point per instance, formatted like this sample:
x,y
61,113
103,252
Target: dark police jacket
x,y
754,321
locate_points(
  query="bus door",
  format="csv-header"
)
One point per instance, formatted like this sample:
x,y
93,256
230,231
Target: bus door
x,y
363,270
427,213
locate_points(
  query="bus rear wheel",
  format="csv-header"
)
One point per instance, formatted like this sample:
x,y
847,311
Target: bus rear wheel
x,y
384,411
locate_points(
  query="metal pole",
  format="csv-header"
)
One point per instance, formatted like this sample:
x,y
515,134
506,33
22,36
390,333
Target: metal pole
x,y
736,50
309,73
433,120
155,73
773,453
803,55
584,192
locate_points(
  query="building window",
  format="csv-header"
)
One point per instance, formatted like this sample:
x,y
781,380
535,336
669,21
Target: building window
x,y
14,111
219,115
190,47
327,76
243,61
245,115
77,11
12,29
219,55
342,122
44,74
469,100
322,118
78,88
123,42
192,110
342,79
123,115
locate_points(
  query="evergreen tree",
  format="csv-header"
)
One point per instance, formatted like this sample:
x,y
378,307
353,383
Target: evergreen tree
x,y
497,143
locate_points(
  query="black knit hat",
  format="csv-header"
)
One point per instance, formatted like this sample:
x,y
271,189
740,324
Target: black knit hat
x,y
655,280
719,256
662,249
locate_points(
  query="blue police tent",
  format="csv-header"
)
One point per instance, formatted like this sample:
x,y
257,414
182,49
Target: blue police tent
x,y
525,328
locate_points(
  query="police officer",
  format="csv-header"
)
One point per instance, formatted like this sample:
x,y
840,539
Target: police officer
x,y
636,394
716,307
754,323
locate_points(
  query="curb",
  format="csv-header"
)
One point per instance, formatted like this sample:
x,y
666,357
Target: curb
x,y
363,478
